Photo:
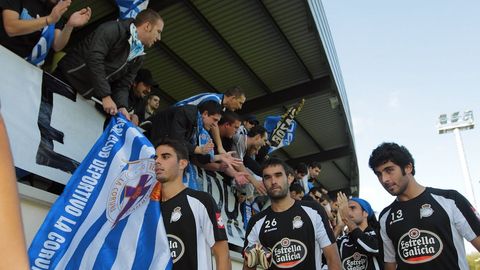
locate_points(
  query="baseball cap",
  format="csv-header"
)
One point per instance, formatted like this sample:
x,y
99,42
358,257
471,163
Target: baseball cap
x,y
145,76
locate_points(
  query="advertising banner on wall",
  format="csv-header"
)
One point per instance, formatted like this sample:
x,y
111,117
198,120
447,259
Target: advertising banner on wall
x,y
51,130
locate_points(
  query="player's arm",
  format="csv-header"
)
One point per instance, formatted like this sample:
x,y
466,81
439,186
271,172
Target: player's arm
x,y
476,243
366,241
222,256
390,266
331,254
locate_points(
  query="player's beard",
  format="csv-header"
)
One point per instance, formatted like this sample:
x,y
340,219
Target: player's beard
x,y
277,194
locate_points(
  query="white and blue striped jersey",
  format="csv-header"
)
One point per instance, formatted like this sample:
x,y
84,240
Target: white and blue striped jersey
x,y
201,98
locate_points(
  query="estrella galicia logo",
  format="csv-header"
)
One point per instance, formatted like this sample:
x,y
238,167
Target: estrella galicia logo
x,y
131,189
419,246
357,261
288,253
177,248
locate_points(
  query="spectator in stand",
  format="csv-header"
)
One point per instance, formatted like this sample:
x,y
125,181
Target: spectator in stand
x,y
104,64
248,122
24,23
149,109
246,145
314,170
186,123
361,244
141,88
301,176
228,127
231,100
296,191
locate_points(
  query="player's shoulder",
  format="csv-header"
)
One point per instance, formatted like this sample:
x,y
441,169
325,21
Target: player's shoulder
x,y
447,193
386,210
202,196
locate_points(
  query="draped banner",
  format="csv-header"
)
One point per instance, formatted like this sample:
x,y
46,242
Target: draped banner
x,y
281,129
108,216
130,8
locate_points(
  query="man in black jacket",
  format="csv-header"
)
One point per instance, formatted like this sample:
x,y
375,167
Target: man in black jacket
x,y
105,63
183,124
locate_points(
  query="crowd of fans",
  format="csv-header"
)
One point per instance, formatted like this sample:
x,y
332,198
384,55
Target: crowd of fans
x,y
107,65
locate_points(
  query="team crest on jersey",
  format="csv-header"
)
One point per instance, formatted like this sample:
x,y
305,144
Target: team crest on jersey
x,y
297,222
176,214
419,246
177,248
426,211
288,253
220,223
357,261
131,190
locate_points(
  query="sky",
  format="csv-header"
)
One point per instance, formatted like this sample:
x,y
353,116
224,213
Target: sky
x,y
404,63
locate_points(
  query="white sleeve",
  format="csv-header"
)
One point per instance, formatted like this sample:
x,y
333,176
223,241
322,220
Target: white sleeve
x,y
388,248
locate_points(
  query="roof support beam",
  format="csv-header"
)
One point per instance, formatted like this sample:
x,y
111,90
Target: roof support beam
x,y
322,150
226,45
323,156
277,28
305,90
186,66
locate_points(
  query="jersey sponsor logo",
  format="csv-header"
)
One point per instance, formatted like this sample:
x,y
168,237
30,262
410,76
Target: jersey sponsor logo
x,y
426,211
419,246
177,248
357,261
176,214
297,222
130,190
220,223
288,253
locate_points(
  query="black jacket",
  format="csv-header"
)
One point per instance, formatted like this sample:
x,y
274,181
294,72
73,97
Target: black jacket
x,y
178,123
97,66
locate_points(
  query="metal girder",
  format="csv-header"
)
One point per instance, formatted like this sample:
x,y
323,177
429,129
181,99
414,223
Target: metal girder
x,y
279,31
226,45
305,90
323,156
186,66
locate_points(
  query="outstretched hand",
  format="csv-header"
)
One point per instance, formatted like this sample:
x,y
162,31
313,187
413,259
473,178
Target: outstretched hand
x,y
58,10
80,17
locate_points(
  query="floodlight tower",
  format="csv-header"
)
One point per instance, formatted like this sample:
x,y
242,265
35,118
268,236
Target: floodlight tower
x,y
459,122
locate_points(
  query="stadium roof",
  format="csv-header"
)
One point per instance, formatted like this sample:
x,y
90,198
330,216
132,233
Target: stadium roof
x,y
277,51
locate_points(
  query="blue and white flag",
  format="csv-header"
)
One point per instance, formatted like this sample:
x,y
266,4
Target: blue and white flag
x,y
108,216
41,49
129,9
288,135
281,129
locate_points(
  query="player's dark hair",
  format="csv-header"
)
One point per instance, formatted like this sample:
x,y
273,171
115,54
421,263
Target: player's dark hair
x,y
391,152
274,162
179,147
